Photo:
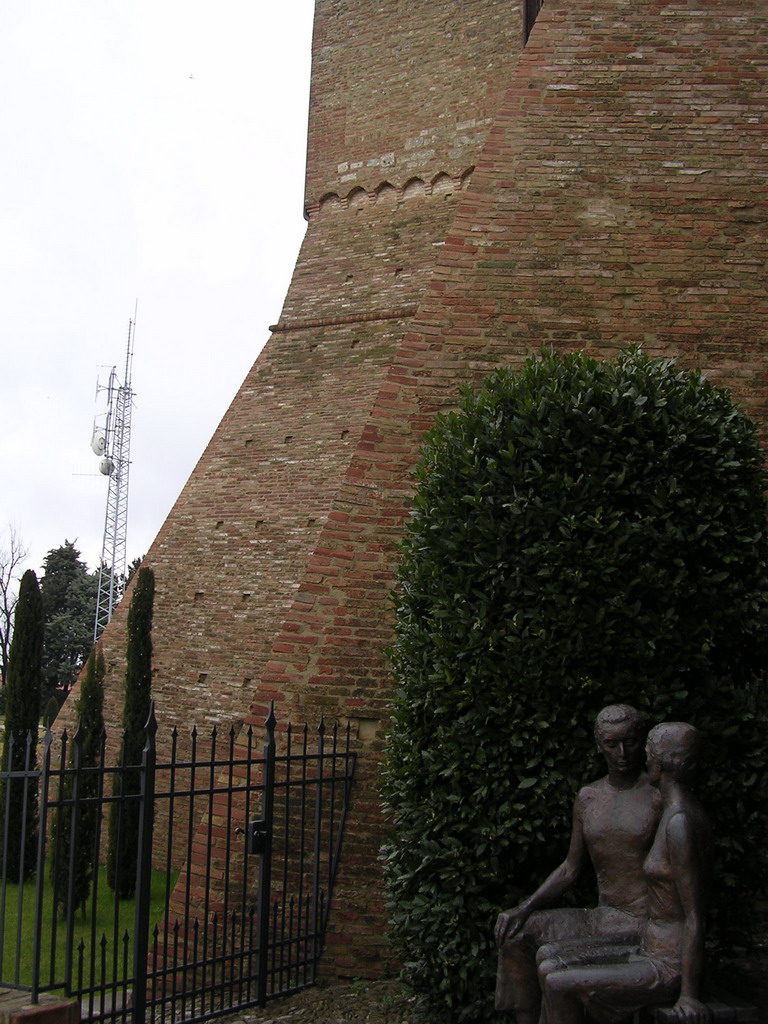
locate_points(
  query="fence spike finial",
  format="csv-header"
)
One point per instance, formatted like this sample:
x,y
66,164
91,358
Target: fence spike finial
x,y
271,720
151,724
47,740
79,736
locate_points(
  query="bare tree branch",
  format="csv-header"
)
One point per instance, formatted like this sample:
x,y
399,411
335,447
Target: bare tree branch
x,y
12,557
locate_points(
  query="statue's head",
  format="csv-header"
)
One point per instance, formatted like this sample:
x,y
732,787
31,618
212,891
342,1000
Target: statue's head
x,y
620,735
619,714
673,748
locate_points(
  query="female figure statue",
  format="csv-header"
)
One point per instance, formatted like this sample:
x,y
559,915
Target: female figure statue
x,y
613,982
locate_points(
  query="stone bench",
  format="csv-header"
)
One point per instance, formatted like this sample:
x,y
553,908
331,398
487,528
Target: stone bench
x,y
726,1009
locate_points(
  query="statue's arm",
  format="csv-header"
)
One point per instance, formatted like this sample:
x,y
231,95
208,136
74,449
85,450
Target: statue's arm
x,y
686,864
559,881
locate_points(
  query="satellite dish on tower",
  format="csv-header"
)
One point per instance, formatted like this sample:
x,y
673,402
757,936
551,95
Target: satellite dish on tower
x,y
106,466
99,441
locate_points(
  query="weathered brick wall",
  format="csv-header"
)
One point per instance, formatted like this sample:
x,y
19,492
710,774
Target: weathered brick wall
x,y
402,91
620,198
232,550
231,554
615,203
254,529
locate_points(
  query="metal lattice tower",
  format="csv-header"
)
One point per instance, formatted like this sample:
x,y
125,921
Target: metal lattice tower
x,y
115,464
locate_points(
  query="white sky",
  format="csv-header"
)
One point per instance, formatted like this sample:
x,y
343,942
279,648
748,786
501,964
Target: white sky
x,y
150,151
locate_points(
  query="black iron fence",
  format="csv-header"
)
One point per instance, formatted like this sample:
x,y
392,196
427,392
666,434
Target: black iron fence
x,y
230,855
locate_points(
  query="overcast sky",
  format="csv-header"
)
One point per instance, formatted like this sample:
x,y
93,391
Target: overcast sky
x,y
152,151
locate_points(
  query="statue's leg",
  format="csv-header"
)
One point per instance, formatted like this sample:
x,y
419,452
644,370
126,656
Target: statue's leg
x,y
609,992
556,1010
517,987
557,955
517,983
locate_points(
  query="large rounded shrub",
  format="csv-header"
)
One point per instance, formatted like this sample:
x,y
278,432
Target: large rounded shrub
x,y
583,533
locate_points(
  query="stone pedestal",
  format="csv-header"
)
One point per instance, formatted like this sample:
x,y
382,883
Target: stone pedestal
x,y
16,1008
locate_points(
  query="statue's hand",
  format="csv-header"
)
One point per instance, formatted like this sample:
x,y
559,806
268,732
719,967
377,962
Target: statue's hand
x,y
692,1011
509,923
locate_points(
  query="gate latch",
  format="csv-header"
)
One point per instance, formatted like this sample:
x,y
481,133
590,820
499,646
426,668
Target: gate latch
x,y
256,836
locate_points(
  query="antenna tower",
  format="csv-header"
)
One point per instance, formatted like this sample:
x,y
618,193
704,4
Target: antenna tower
x,y
115,443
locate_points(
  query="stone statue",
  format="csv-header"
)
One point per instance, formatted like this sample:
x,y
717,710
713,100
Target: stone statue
x,y
667,964
614,824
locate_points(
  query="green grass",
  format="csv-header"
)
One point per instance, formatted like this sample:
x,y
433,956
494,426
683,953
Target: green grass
x,y
98,926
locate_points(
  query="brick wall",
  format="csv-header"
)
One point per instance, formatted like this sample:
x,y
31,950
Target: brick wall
x,y
246,552
403,91
619,197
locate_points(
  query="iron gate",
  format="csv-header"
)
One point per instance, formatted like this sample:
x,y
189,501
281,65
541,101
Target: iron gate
x,y
235,858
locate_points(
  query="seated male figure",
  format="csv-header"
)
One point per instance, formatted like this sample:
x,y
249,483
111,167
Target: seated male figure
x,y
614,823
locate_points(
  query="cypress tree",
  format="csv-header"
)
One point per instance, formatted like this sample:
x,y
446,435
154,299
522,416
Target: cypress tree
x,y
22,707
89,740
122,851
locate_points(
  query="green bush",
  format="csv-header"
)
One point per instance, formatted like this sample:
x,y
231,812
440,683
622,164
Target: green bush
x,y
582,533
